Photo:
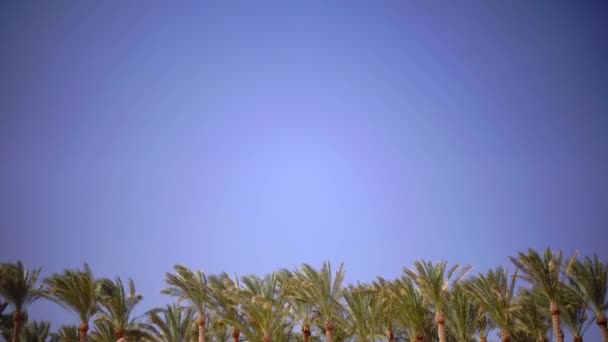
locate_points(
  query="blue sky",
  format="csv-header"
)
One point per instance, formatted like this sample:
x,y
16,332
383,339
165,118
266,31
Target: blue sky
x,y
248,136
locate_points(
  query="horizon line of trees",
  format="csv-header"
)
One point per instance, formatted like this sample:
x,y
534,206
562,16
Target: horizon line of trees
x,y
431,301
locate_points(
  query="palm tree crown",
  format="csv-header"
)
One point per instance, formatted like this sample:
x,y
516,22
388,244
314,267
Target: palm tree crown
x,y
461,315
433,280
545,272
363,314
411,310
35,332
532,317
495,293
190,286
77,291
18,288
172,323
590,276
225,305
66,333
117,305
323,290
263,307
18,285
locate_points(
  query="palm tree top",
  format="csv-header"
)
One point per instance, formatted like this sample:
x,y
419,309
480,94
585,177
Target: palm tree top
x,y
544,271
574,310
173,323
411,310
35,331
18,285
188,285
322,288
433,279
117,304
76,290
533,318
590,276
262,306
495,292
66,333
462,314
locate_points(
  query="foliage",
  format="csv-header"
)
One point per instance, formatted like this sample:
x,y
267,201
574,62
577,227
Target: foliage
x,y
76,290
117,306
288,306
173,323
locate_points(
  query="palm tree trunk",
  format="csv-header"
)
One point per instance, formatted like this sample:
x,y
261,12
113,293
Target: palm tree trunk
x,y
82,329
390,335
120,335
505,336
578,339
266,338
306,332
235,334
329,331
201,328
440,321
555,320
17,320
483,339
601,322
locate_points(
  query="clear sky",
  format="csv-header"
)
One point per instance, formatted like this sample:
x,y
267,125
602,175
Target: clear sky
x,y
248,136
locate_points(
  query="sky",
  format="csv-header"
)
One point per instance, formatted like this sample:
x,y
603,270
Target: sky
x,y
249,136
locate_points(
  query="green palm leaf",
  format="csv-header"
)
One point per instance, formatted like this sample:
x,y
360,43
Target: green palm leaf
x,y
494,291
172,323
117,305
18,288
77,291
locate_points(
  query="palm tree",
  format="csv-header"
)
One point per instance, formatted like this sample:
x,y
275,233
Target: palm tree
x,y
576,320
363,313
590,276
6,324
545,273
300,312
223,304
574,312
461,315
77,291
483,323
263,309
35,332
18,288
433,280
192,287
66,333
117,306
324,291
104,331
387,309
411,311
532,319
170,324
218,330
495,293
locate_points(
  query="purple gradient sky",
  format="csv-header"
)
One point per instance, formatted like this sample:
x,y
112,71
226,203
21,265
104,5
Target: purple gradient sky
x,y
243,137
